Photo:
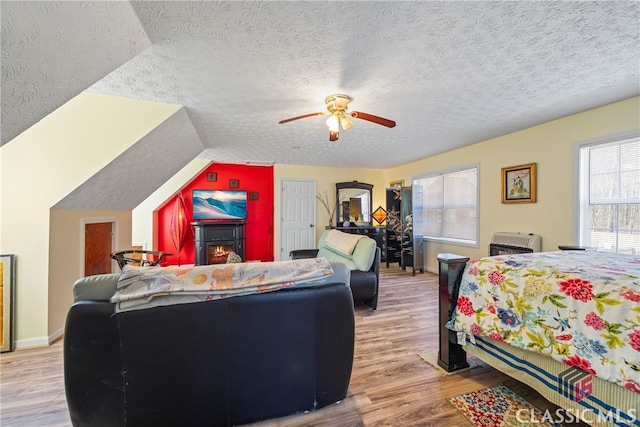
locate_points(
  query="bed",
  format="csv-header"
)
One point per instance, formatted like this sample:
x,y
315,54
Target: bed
x,y
567,323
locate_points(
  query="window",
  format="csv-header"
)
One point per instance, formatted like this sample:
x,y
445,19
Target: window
x,y
609,195
448,201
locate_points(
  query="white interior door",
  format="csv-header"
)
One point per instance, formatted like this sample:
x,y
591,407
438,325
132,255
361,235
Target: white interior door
x,y
298,210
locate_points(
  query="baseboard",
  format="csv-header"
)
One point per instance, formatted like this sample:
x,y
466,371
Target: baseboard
x,y
31,342
39,341
56,336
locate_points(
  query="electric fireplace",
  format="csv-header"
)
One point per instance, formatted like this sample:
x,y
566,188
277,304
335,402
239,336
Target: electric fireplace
x,y
214,241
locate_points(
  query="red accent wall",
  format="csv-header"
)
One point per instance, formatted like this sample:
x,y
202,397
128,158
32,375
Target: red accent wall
x,y
259,228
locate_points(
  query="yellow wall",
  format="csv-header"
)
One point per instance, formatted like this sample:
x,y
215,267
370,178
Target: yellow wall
x,y
552,147
43,165
325,179
66,256
51,159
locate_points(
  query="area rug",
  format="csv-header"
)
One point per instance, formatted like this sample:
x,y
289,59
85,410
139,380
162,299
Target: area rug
x,y
499,407
431,357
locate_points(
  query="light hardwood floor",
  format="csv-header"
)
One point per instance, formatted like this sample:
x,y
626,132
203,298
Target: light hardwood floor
x,y
390,384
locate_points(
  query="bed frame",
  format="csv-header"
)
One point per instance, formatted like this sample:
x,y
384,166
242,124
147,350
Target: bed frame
x,y
614,405
451,356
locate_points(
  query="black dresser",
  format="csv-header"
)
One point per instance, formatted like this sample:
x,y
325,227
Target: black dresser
x,y
379,234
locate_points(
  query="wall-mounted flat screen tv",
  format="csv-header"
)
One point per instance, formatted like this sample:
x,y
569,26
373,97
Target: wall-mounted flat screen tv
x,y
219,204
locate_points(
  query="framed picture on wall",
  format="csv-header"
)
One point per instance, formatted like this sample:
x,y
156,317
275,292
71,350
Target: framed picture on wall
x,y
519,184
7,287
212,176
234,183
396,185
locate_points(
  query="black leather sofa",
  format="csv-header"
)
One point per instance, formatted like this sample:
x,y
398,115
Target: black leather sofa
x,y
218,363
364,284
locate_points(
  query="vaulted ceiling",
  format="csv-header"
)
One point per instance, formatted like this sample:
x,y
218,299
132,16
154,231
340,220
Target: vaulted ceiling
x,y
449,73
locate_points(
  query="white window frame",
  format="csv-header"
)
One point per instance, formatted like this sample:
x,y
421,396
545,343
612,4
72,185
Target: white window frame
x,y
449,240
580,189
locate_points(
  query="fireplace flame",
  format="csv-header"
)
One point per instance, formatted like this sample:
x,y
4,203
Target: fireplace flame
x,y
218,254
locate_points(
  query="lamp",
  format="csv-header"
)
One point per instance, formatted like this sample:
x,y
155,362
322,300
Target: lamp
x,y
334,122
345,122
178,224
334,127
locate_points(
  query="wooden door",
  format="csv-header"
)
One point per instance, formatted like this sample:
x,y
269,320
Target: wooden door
x,y
98,245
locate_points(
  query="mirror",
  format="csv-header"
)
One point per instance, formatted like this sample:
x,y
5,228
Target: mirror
x,y
354,204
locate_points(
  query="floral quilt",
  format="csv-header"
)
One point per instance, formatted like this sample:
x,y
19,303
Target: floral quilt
x,y
146,287
579,307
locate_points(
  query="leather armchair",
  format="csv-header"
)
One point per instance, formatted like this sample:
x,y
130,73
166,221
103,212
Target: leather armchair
x,y
364,284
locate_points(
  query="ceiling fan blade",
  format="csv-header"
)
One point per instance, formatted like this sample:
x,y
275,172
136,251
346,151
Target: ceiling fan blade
x,y
333,136
375,119
300,117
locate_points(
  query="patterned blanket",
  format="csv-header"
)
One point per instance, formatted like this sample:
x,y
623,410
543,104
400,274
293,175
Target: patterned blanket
x,y
146,287
579,307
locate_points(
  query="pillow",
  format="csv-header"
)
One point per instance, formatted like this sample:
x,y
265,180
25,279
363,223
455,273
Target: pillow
x,y
361,258
342,242
364,254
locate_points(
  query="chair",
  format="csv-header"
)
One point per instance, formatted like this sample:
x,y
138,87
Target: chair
x,y
138,257
363,261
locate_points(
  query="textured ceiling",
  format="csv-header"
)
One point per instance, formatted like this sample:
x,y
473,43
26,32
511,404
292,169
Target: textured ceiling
x,y
51,51
449,73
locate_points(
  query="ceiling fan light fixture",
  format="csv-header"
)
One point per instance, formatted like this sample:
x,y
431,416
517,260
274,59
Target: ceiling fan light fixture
x,y
333,123
345,122
337,105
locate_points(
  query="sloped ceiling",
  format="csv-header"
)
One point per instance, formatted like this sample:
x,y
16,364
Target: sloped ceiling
x,y
52,51
134,175
449,73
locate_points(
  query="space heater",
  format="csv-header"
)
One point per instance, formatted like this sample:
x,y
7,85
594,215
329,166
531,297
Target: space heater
x,y
514,243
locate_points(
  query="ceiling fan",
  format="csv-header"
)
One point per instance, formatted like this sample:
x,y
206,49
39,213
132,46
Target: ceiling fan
x,y
337,105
